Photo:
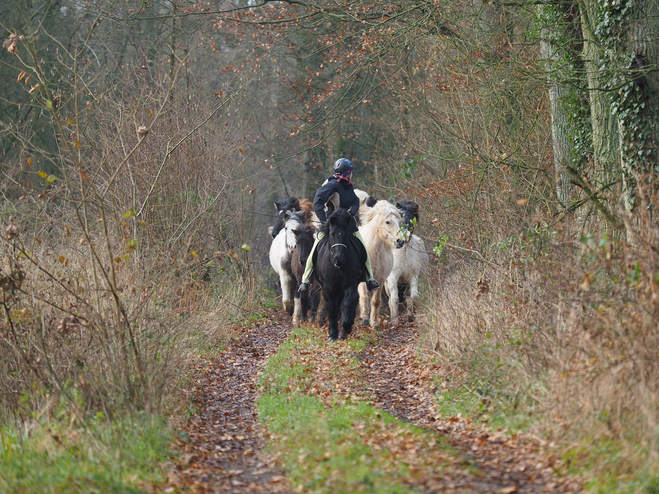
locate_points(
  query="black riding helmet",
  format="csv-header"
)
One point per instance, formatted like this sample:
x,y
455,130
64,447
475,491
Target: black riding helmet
x,y
343,166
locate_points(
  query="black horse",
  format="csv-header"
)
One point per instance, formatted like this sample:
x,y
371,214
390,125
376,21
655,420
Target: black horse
x,y
410,212
290,204
304,301
339,268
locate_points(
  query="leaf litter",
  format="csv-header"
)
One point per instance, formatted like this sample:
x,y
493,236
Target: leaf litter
x,y
223,450
225,446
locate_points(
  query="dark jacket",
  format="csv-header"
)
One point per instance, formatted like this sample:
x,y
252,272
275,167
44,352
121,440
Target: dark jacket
x,y
347,198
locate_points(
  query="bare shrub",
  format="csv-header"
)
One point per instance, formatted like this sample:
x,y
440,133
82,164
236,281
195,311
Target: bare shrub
x,y
108,257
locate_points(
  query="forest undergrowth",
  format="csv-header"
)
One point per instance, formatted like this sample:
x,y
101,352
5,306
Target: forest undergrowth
x,y
551,329
121,263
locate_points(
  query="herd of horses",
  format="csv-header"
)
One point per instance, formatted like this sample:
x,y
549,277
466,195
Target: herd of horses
x,y
398,257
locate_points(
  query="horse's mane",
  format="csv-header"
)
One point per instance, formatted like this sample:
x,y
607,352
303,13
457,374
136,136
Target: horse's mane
x,y
410,207
290,204
363,196
381,209
306,205
340,217
297,216
305,229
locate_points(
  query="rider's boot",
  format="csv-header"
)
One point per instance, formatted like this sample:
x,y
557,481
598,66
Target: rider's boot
x,y
304,286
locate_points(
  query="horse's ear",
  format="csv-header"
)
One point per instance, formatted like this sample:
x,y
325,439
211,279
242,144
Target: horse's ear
x,y
399,206
415,209
278,205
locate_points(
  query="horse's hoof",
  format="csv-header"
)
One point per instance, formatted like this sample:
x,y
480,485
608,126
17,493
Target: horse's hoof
x,y
332,338
343,337
366,322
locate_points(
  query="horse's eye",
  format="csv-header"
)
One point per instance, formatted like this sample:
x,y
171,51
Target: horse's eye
x,y
388,222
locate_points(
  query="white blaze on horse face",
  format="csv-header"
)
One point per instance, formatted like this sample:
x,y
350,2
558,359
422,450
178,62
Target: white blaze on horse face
x,y
291,240
393,227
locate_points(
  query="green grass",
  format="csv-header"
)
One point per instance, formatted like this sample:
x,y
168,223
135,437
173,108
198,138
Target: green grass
x,y
600,462
334,443
101,457
483,405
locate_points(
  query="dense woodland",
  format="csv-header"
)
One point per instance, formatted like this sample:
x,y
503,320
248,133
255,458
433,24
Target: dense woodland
x,y
143,144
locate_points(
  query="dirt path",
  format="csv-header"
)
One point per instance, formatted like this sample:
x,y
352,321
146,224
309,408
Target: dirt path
x,y
398,384
225,447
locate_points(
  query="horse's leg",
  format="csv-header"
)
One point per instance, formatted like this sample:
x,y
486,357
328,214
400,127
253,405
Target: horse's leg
x,y
348,310
333,308
322,313
375,309
413,298
287,281
304,305
314,301
392,287
363,304
298,314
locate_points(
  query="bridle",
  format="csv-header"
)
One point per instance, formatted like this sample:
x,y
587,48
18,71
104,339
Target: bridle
x,y
337,245
334,253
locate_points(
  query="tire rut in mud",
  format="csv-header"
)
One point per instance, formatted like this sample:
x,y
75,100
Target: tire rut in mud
x,y
224,450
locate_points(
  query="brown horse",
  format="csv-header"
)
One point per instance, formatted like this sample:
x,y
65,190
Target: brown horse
x,y
304,301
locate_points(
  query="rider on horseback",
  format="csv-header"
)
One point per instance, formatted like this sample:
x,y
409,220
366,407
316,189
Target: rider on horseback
x,y
338,184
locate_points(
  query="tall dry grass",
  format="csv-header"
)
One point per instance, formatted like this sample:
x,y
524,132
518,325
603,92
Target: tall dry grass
x,y
556,322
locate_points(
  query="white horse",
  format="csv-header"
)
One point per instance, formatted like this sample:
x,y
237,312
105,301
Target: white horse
x,y
280,256
380,229
409,262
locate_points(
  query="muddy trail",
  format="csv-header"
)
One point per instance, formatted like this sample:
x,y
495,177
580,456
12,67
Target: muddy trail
x,y
224,446
224,450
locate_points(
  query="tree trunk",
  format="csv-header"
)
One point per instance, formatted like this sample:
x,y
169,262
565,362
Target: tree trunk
x,y
552,53
639,96
606,142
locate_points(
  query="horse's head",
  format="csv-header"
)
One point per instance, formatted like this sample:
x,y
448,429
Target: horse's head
x,y
337,231
410,213
293,219
386,220
282,207
304,241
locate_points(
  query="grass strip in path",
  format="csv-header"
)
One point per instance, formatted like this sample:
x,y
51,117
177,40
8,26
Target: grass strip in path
x,y
332,440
